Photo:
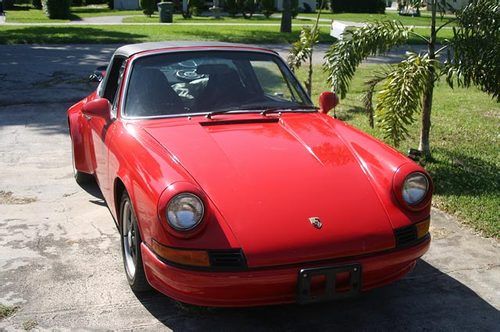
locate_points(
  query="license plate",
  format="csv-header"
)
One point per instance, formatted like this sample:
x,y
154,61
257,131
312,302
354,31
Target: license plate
x,y
328,283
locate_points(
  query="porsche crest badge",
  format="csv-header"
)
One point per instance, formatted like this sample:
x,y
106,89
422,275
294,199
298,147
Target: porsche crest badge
x,y
316,222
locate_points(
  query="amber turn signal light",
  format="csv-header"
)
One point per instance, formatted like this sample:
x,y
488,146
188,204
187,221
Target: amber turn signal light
x,y
423,228
181,256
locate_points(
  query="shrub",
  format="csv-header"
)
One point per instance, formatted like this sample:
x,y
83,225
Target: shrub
x,y
8,4
307,8
232,7
248,7
37,4
197,7
148,7
57,9
77,3
111,4
358,6
268,7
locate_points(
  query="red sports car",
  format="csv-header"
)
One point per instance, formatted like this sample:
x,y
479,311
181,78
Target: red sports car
x,y
230,188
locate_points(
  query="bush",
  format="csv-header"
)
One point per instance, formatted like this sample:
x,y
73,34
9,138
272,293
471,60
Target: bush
x,y
57,9
8,4
307,8
77,3
37,4
268,7
358,6
197,7
232,7
248,7
148,7
111,4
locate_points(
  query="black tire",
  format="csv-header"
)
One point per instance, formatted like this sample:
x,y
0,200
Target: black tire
x,y
131,247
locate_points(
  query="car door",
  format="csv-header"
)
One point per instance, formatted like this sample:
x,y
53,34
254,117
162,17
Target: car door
x,y
101,128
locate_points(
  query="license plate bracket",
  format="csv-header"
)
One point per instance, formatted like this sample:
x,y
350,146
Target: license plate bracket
x,y
305,294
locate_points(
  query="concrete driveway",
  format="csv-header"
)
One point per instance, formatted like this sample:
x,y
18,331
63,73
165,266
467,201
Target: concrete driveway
x,y
60,259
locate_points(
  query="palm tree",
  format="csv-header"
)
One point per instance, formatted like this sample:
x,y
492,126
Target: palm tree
x,y
473,58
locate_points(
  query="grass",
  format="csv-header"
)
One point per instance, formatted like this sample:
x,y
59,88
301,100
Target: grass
x,y
95,34
26,14
7,311
464,142
424,20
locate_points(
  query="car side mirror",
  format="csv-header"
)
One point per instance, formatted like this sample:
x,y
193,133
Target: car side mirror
x,y
98,107
98,74
327,101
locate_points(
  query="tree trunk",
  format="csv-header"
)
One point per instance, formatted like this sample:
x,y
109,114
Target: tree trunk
x,y
424,145
310,75
286,16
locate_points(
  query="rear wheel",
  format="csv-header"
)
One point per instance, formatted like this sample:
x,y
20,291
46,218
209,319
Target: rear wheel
x,y
131,247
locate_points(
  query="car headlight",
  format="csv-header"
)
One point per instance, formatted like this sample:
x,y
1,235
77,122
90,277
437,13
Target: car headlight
x,y
415,188
185,211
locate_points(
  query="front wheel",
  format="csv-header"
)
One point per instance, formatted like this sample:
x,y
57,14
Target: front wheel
x,y
131,247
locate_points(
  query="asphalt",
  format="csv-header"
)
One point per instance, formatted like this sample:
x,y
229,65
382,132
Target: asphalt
x,y
60,259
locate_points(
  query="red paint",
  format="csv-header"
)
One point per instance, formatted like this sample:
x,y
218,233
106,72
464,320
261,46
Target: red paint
x,y
260,182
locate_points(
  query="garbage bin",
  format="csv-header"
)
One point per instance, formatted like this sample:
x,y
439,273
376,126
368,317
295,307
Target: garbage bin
x,y
166,10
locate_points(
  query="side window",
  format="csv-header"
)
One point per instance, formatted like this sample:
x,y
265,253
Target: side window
x,y
271,80
112,81
117,92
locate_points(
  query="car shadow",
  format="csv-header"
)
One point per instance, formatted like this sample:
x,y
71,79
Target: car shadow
x,y
92,188
426,299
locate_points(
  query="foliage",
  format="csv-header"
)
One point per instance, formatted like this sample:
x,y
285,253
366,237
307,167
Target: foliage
x,y
474,59
268,7
401,94
232,7
77,3
343,57
475,49
302,50
197,7
358,6
148,7
37,4
57,9
111,4
248,7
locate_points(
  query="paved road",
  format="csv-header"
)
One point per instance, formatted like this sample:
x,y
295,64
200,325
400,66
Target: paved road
x,y
59,249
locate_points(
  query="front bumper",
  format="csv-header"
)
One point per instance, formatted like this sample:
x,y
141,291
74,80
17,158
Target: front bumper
x,y
270,285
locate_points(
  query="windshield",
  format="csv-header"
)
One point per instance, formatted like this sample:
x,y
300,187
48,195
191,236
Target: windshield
x,y
202,82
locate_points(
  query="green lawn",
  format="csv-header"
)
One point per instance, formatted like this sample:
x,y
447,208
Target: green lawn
x,y
465,146
424,20
30,15
95,34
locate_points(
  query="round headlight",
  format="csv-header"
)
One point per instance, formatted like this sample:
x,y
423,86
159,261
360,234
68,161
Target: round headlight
x,y
185,211
415,188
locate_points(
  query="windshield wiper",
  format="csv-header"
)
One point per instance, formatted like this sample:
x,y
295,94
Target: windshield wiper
x,y
288,108
265,111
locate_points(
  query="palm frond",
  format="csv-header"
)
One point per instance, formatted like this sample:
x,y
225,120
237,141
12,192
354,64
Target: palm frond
x,y
401,95
474,58
367,98
303,48
343,57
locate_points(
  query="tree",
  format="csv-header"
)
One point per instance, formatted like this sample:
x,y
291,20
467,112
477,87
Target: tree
x,y
408,87
286,17
303,49
148,7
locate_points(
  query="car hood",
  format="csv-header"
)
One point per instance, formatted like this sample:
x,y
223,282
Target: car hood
x,y
269,176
